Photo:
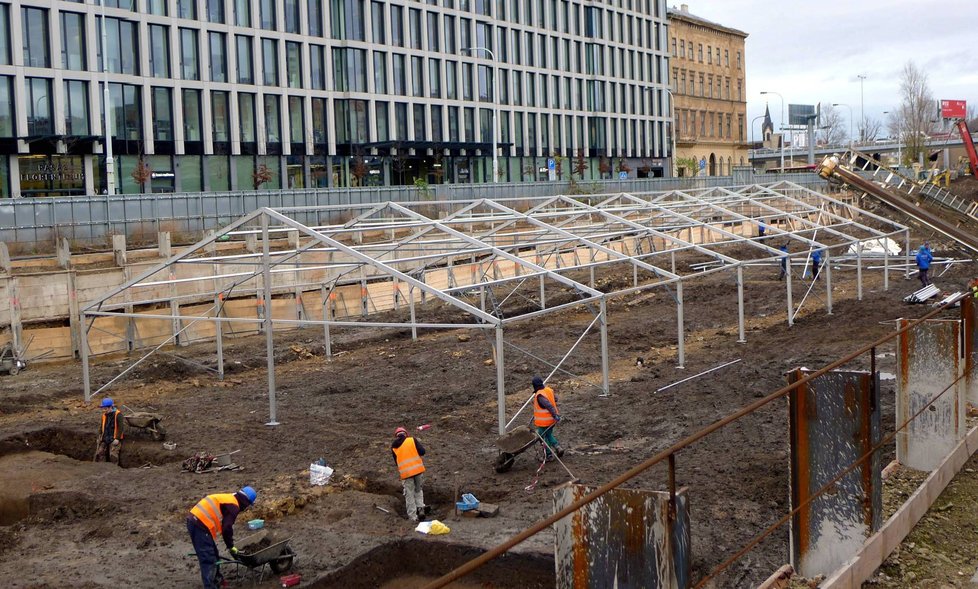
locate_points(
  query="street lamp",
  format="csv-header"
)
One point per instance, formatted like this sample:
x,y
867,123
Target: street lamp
x,y
781,136
753,149
850,121
862,109
672,125
495,109
107,102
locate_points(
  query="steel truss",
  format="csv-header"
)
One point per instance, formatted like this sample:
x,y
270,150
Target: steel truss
x,y
491,263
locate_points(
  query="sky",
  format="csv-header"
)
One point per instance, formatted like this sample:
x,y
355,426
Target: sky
x,y
813,52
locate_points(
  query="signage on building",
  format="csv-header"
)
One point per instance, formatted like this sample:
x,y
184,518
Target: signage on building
x,y
45,171
954,109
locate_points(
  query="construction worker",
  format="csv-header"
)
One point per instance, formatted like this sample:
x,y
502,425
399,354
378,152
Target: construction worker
x,y
924,258
784,261
110,434
546,416
407,452
816,263
213,515
761,228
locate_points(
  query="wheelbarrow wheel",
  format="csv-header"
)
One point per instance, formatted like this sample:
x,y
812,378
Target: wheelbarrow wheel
x,y
14,369
158,431
504,462
282,565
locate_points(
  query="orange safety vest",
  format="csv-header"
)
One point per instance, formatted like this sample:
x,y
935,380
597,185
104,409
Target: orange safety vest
x,y
409,462
117,434
208,511
542,417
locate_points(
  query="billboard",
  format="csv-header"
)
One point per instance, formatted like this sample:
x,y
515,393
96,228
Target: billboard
x,y
954,109
799,114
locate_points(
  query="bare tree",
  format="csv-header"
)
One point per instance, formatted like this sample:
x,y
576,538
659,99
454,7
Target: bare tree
x,y
834,129
913,119
972,118
869,129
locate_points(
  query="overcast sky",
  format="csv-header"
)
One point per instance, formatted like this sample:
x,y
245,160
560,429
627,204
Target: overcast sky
x,y
812,52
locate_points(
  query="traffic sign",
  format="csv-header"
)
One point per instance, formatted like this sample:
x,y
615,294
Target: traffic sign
x,y
623,175
551,164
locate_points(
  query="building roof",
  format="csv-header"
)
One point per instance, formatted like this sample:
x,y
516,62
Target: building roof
x,y
683,13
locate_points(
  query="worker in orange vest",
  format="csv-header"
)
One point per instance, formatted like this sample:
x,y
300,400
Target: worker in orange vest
x,y
407,452
110,434
213,515
546,416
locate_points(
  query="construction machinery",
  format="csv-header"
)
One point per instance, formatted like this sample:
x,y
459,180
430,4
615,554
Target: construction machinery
x,y
969,146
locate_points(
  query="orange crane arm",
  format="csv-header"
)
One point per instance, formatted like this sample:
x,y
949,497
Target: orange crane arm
x,y
969,146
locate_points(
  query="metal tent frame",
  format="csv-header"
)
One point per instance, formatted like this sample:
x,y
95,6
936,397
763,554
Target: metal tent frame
x,y
491,263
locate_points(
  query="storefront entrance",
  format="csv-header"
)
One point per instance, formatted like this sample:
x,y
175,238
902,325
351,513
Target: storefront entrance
x,y
51,175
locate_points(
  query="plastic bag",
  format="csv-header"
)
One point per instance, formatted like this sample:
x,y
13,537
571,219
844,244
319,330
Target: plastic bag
x,y
438,528
319,475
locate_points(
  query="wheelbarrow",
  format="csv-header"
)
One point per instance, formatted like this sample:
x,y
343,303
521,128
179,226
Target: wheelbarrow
x,y
10,361
147,422
265,550
512,444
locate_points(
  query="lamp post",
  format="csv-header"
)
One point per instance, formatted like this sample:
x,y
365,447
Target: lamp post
x,y
107,101
495,109
781,136
850,121
672,126
753,149
862,109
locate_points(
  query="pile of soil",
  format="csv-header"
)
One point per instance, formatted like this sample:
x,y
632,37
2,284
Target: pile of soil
x,y
965,187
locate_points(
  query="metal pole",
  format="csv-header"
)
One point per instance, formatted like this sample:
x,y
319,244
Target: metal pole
x,y
605,386
495,108
828,283
266,283
791,305
107,103
543,293
327,315
83,349
219,337
740,305
859,271
500,380
886,264
414,325
906,266
680,336
862,109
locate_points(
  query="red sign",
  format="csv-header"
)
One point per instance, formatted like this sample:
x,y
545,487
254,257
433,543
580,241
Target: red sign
x,y
954,109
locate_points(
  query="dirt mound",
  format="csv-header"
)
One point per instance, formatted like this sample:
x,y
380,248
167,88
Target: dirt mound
x,y
965,187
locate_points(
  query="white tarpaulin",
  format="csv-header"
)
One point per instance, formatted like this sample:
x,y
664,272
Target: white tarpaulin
x,y
877,246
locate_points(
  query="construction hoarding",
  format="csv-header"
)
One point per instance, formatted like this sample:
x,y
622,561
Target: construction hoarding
x,y
835,422
627,538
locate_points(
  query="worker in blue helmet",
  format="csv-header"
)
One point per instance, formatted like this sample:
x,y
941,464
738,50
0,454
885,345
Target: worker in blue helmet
x,y
212,516
110,434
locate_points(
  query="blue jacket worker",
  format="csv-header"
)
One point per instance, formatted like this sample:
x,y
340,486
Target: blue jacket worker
x,y
816,263
212,516
784,262
924,258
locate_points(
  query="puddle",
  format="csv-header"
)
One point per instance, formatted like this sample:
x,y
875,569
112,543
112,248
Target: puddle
x,y
410,564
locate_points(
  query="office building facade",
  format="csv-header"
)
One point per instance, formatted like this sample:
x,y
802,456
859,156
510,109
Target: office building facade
x,y
710,89
212,95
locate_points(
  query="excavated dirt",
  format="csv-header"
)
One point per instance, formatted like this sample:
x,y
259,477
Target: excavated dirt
x,y
345,410
965,187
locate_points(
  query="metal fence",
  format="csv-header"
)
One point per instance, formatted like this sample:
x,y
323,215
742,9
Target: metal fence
x,y
33,225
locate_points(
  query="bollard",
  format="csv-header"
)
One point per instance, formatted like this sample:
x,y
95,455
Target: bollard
x,y
119,250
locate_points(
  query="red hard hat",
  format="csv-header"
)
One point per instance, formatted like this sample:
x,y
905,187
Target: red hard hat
x,y
400,431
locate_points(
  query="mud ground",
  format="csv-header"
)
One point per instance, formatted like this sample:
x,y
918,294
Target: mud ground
x,y
97,525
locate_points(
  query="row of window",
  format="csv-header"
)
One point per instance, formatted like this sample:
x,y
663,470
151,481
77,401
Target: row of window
x,y
685,51
352,120
711,124
347,17
710,86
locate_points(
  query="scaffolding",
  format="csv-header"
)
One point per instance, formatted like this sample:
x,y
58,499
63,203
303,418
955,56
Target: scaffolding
x,y
489,263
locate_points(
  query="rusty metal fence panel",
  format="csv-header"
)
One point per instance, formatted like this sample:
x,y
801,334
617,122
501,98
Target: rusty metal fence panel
x,y
834,421
34,224
928,361
625,539
970,353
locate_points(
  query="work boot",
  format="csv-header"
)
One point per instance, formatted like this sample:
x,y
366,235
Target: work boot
x,y
560,451
420,514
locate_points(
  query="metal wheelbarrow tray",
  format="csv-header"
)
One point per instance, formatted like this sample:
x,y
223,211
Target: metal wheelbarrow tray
x,y
278,555
511,444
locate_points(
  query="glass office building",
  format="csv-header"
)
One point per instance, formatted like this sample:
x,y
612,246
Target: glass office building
x,y
211,95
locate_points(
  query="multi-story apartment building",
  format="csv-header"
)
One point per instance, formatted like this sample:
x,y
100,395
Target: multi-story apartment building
x,y
709,87
230,94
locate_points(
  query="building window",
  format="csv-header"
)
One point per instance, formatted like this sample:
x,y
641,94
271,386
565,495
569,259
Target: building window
x,y
397,25
38,106
738,61
382,119
291,16
349,70
123,43
4,34
319,118
297,127
348,20
246,117
351,121
36,45
218,57
124,4
437,133
293,63
269,54
187,9
315,9
266,14
215,11
191,115
273,121
242,13
451,80
246,62
417,76
127,120
420,123
380,72
162,114
157,7
450,46
189,62
220,117
401,121
414,23
433,36
400,81
72,41
76,108
434,78
378,26
159,51
317,67
709,55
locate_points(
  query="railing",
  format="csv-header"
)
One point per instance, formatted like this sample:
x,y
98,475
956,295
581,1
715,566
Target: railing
x,y
34,225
